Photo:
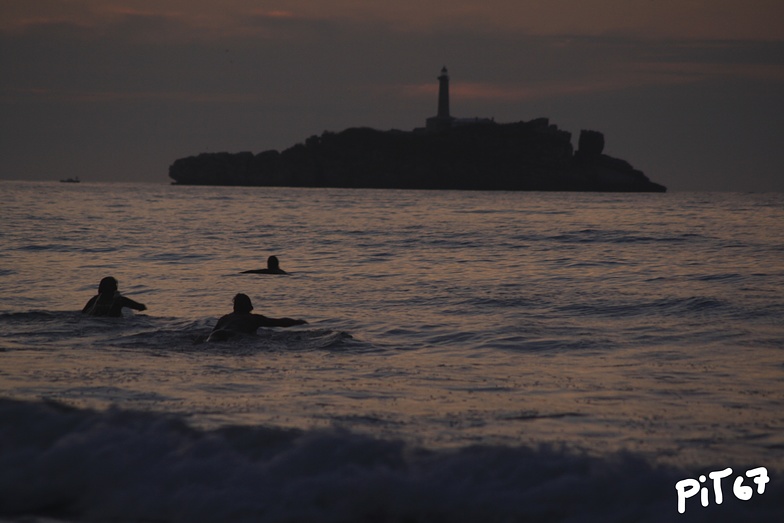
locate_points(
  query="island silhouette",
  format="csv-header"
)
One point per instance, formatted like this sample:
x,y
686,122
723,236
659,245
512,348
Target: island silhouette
x,y
448,153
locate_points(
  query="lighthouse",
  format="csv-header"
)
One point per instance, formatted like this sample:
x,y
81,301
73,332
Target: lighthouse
x,y
442,120
443,95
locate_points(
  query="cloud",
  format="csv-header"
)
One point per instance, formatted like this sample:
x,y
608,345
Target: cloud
x,y
557,67
121,49
527,92
694,19
43,95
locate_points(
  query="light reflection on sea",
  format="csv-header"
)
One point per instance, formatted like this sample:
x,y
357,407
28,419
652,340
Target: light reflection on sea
x,y
642,322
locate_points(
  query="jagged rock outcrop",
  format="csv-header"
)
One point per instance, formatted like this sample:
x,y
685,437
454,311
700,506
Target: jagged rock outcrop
x,y
591,143
519,156
612,174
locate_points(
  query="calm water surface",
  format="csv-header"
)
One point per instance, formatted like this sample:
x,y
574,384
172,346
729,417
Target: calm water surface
x,y
635,335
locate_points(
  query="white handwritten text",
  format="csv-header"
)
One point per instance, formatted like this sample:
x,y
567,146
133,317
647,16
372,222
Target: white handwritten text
x,y
688,488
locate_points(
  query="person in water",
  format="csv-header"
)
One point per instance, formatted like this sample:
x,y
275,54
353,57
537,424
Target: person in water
x,y
245,322
109,302
273,267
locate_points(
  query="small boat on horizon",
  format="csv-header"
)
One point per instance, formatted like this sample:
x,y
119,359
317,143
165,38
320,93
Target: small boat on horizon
x,y
70,180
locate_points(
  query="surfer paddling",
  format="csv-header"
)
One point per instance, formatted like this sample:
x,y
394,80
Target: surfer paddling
x,y
242,321
109,302
273,267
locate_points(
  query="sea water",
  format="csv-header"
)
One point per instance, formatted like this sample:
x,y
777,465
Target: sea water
x,y
468,356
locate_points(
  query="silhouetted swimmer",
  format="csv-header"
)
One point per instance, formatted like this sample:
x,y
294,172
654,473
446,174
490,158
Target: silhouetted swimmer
x,y
242,321
273,267
109,302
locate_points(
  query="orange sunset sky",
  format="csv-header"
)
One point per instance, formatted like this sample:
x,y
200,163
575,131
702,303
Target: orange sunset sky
x,y
689,91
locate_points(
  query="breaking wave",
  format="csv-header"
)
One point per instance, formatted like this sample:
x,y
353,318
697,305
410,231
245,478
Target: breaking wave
x,y
126,466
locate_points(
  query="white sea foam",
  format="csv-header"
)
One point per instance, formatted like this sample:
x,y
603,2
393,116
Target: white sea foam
x,y
126,466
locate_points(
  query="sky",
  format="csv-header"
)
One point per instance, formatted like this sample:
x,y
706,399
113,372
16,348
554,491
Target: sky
x,y
691,92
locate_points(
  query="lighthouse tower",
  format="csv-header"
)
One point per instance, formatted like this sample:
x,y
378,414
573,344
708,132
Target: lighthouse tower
x,y
443,95
442,120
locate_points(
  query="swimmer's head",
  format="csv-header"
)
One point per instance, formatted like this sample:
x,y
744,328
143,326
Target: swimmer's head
x,y
108,285
273,263
242,303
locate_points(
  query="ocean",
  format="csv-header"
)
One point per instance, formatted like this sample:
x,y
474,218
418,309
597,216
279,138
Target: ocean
x,y
468,357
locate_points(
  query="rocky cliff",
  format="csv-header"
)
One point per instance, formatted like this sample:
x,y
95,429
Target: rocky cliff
x,y
518,156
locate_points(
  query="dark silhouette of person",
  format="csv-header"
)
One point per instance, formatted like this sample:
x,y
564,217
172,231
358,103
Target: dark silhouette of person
x,y
273,267
242,321
109,302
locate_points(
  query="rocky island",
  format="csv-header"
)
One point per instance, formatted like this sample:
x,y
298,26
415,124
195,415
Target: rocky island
x,y
449,153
